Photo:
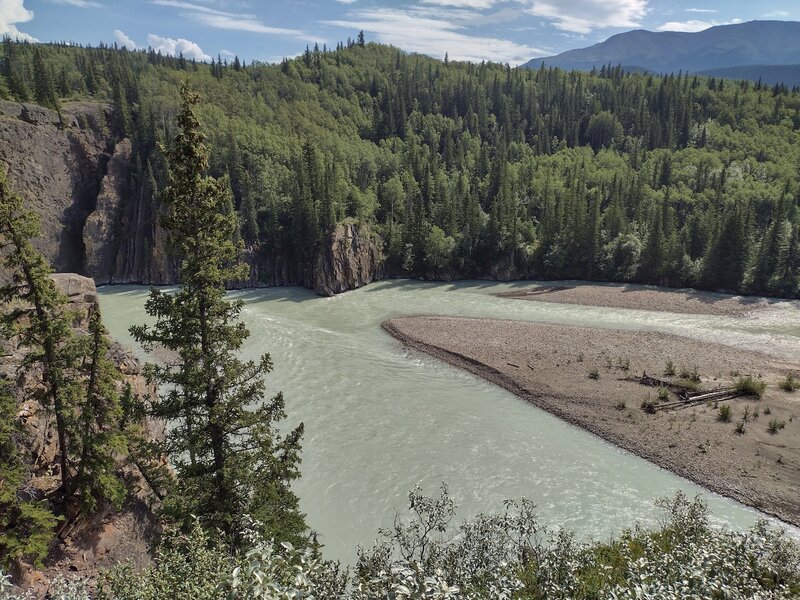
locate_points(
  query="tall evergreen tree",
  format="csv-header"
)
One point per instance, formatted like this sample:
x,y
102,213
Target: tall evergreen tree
x,y
229,458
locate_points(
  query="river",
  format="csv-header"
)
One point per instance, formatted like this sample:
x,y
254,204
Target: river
x,y
380,420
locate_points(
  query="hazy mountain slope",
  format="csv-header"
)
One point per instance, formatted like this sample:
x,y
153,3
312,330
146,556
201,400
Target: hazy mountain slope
x,y
745,44
768,74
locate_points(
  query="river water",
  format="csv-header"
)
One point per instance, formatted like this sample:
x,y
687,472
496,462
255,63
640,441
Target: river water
x,y
380,420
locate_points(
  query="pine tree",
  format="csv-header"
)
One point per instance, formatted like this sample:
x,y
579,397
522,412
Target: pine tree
x,y
43,90
229,458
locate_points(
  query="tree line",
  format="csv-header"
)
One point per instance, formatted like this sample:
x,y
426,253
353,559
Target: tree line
x,y
471,170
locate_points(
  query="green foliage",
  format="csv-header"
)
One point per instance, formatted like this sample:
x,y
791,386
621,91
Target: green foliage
x,y
751,386
36,311
229,458
724,413
789,383
668,180
26,523
775,425
669,369
663,394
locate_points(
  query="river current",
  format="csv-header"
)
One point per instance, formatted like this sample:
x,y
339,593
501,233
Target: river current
x,y
380,420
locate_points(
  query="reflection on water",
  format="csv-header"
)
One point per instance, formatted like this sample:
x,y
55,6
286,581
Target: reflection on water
x,y
380,420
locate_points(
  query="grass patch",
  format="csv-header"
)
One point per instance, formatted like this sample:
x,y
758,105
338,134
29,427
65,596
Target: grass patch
x,y
594,374
669,369
775,426
739,427
789,384
687,384
724,413
663,394
690,374
751,386
648,406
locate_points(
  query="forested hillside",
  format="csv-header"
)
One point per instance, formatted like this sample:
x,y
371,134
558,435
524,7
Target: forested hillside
x,y
466,170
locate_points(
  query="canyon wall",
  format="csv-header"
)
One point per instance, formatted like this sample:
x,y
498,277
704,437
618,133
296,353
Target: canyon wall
x,y
96,221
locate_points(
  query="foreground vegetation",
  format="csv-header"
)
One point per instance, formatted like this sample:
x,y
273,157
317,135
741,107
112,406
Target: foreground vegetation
x,y
468,170
493,557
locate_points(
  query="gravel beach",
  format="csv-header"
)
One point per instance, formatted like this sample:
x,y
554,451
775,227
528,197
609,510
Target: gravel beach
x,y
550,366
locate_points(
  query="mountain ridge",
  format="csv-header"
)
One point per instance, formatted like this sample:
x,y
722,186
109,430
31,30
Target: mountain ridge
x,y
712,51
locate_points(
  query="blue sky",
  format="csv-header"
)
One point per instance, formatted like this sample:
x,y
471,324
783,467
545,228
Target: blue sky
x,y
501,30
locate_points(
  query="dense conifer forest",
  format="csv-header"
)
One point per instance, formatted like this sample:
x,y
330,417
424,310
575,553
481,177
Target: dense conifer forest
x,y
470,170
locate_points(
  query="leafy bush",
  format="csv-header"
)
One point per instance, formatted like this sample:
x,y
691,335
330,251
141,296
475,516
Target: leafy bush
x,y
594,374
751,386
423,556
663,394
740,427
648,406
724,413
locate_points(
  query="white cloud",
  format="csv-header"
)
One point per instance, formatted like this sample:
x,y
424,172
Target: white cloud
x,y
693,26
13,12
436,32
479,4
344,2
584,16
701,10
176,47
124,41
79,3
777,14
220,19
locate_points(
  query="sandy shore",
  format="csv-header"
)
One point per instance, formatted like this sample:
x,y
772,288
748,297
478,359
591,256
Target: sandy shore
x,y
639,297
550,366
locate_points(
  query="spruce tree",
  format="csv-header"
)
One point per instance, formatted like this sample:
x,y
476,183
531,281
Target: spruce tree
x,y
37,312
229,458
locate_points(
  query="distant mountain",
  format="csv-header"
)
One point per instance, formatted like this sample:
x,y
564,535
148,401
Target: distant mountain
x,y
768,74
741,50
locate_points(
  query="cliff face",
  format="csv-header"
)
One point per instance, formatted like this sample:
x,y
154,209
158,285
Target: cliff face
x,y
350,258
57,169
82,543
96,219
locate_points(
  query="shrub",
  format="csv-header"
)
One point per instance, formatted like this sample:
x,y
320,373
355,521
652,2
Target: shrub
x,y
775,426
690,374
663,394
649,406
767,410
669,370
751,386
594,374
788,384
724,413
739,427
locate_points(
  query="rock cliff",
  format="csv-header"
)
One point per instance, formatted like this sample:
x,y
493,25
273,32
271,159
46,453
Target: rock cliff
x,y
97,220
83,544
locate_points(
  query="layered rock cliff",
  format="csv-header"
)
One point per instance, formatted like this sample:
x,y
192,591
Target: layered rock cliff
x,y
99,220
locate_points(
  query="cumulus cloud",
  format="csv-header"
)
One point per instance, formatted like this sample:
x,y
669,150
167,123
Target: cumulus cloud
x,y
176,47
436,33
584,16
124,41
13,12
693,26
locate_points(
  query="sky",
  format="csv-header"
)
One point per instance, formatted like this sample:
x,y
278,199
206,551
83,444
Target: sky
x,y
508,31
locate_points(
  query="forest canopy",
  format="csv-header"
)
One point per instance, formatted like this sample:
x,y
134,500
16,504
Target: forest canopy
x,y
469,170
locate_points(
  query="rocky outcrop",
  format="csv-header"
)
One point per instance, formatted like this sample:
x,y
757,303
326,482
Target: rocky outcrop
x,y
84,544
56,163
99,219
350,258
